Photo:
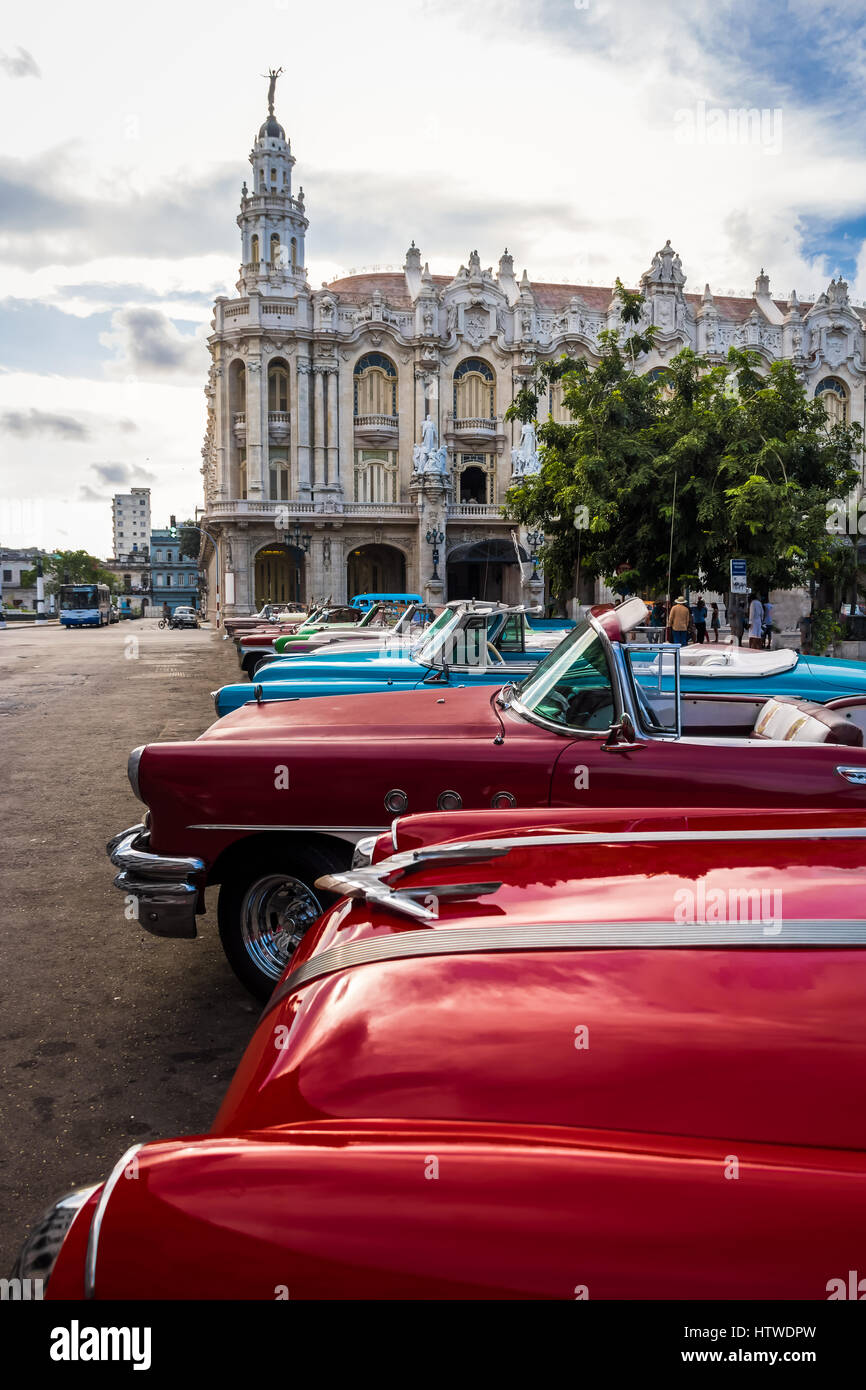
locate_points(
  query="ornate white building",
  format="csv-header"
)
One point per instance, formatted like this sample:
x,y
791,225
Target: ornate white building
x,y
355,437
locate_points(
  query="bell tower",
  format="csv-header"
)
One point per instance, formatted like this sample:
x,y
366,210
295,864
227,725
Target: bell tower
x,y
271,219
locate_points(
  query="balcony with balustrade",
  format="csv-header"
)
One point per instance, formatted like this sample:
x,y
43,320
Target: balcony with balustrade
x,y
475,431
376,431
279,426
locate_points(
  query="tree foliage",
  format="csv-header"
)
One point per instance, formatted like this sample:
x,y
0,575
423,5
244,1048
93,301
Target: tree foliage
x,y
71,567
751,462
190,540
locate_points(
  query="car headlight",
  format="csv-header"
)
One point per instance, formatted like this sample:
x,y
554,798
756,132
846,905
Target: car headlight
x,y
363,854
38,1255
132,770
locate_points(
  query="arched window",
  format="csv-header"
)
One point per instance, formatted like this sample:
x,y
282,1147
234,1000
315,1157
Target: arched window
x,y
474,478
375,476
375,382
275,248
273,178
238,385
278,387
559,412
254,249
294,251
242,476
664,382
279,480
833,395
473,485
474,390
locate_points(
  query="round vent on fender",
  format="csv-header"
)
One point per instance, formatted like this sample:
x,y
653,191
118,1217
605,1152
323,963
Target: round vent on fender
x,y
449,801
396,801
502,800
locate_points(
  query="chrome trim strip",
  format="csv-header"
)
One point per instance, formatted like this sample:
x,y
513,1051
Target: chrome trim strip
x,y
855,775
567,936
96,1223
498,845
334,829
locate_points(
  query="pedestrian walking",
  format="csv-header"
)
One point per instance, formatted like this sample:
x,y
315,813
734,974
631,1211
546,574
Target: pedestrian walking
x,y
700,616
714,621
756,622
805,626
679,620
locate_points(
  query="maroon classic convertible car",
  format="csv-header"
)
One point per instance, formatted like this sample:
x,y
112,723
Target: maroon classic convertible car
x,y
554,1055
277,794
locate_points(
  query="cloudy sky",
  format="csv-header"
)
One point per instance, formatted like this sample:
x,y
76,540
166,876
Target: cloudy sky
x,y
579,133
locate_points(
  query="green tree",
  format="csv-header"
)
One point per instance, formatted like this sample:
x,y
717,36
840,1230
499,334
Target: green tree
x,y
190,540
707,463
72,567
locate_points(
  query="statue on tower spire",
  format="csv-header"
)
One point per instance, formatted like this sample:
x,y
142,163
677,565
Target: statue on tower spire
x,y
273,74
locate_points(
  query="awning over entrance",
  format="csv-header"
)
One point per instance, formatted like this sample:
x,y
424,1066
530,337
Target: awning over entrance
x,y
485,569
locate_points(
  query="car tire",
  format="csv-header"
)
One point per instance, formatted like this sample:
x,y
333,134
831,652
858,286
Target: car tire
x,y
270,883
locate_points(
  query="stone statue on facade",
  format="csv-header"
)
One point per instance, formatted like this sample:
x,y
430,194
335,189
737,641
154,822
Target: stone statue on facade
x,y
428,457
524,459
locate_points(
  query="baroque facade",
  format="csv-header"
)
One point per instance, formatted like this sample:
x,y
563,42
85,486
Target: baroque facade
x,y
356,438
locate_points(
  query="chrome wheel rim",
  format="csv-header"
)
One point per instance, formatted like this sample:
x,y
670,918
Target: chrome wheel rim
x,y
275,914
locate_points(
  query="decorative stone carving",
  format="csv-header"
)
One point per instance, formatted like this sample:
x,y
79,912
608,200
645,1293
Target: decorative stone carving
x,y
428,457
524,459
476,325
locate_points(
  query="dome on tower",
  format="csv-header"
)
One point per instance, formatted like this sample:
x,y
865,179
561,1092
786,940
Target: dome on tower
x,y
272,129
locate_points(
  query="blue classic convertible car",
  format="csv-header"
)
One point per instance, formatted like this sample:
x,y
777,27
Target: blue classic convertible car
x,y
736,672
469,644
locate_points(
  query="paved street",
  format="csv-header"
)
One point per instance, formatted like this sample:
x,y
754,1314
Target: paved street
x,y
108,1036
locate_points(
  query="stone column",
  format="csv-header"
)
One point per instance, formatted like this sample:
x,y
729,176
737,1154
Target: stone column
x,y
333,438
318,476
256,445
302,429
222,431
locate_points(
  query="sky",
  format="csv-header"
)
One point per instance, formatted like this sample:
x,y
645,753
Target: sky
x,y
581,134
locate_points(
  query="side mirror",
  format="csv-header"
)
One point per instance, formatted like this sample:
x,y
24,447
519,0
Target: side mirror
x,y
621,734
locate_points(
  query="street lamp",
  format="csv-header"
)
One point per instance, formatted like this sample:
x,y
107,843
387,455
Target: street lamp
x,y
535,540
435,539
300,542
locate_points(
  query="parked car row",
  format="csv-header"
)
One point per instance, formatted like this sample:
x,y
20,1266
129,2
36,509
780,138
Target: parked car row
x,y
563,983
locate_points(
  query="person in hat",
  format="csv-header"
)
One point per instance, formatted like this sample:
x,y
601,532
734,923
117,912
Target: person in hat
x,y
678,621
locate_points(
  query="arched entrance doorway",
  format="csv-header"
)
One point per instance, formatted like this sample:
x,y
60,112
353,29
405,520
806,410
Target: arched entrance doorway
x,y
485,569
376,569
279,576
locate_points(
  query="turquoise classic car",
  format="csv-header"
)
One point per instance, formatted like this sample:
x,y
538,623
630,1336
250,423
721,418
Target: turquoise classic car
x,y
468,644
737,672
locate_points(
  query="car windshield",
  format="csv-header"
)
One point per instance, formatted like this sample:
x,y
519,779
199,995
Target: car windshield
x,y
457,638
428,644
383,614
572,686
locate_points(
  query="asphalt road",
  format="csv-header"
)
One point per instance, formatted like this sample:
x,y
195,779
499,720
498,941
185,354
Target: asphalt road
x,y
108,1036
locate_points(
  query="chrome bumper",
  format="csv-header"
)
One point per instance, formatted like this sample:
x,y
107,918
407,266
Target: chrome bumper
x,y
168,891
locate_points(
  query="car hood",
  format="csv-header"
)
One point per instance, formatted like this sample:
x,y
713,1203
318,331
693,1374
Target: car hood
x,y
415,714
760,1043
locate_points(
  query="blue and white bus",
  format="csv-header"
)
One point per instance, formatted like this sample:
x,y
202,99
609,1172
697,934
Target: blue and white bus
x,y
85,605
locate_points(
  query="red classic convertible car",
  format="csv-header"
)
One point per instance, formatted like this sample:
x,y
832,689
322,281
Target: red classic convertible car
x,y
276,794
554,1055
